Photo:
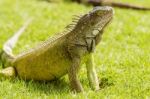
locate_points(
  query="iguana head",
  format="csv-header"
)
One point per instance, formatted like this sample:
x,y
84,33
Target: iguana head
x,y
92,24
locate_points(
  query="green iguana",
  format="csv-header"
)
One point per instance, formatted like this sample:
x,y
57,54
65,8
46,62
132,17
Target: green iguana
x,y
61,54
112,3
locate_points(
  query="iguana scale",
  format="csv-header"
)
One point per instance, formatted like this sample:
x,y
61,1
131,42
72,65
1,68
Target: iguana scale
x,y
61,54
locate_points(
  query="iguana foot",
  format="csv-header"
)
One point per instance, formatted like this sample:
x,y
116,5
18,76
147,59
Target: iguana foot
x,y
8,72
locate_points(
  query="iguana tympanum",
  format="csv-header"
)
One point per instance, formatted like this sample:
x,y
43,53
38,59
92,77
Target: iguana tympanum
x,y
61,54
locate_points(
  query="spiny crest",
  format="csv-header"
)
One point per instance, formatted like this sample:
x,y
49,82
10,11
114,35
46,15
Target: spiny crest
x,y
75,20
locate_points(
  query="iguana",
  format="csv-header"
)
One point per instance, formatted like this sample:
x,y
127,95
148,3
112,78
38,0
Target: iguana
x,y
112,3
61,54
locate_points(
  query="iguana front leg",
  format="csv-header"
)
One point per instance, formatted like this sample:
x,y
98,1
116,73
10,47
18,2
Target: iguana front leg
x,y
73,77
74,68
91,73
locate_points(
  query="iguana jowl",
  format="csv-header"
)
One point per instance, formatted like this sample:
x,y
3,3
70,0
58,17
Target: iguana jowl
x,y
61,54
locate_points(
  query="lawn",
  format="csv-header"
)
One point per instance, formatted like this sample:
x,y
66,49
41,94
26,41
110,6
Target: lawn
x,y
122,58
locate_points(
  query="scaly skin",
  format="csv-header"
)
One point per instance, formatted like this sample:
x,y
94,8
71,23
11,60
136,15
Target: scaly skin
x,y
62,54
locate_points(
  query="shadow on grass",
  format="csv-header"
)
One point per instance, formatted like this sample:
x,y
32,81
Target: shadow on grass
x,y
106,82
59,86
52,87
42,87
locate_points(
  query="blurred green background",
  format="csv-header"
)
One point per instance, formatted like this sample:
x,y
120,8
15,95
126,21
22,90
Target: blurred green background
x,y
122,58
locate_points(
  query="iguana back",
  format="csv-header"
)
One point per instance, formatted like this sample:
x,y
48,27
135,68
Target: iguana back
x,y
47,61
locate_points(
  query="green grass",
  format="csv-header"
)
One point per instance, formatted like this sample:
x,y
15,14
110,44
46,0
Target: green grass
x,y
122,58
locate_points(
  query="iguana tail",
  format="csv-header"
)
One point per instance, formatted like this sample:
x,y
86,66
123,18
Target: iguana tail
x,y
6,55
116,4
